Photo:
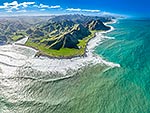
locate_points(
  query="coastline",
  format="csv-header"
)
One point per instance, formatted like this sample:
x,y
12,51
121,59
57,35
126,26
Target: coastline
x,y
97,40
26,57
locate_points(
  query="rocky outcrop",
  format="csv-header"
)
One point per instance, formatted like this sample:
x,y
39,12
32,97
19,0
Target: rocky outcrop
x,y
69,39
97,25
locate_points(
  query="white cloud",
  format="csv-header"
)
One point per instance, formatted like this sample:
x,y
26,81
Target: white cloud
x,y
83,10
3,7
43,6
35,6
42,9
92,11
26,4
20,7
22,11
108,14
15,5
55,7
73,9
47,6
12,5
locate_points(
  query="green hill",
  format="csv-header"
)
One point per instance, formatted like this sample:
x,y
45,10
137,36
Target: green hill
x,y
60,34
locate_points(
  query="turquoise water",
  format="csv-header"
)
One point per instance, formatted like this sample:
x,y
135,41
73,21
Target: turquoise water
x,y
93,89
131,49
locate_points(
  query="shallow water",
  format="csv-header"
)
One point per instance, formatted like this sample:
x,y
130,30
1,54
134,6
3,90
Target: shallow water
x,y
91,89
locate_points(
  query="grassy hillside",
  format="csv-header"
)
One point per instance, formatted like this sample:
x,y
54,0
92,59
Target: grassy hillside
x,y
63,52
64,37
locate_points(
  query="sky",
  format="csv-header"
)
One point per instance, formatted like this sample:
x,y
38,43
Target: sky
x,y
134,8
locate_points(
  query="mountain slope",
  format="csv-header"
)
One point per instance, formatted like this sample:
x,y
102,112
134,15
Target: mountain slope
x,y
65,31
97,25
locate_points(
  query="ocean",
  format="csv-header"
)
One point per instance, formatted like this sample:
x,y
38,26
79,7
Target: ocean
x,y
92,89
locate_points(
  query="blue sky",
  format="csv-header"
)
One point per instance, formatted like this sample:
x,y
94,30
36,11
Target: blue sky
x,y
140,8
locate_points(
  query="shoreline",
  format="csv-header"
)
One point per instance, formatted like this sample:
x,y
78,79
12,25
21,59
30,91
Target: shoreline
x,y
24,57
97,39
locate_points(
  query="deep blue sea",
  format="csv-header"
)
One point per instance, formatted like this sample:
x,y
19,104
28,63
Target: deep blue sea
x,y
94,89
